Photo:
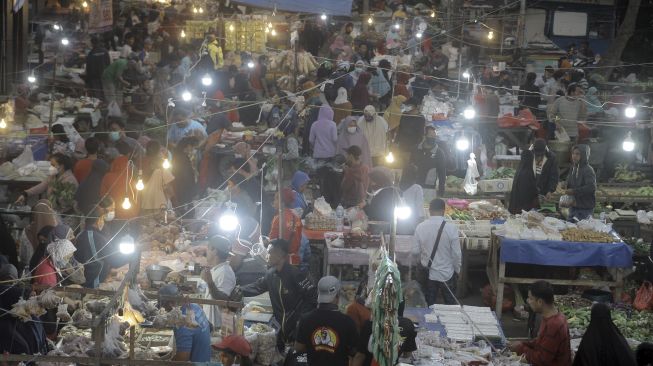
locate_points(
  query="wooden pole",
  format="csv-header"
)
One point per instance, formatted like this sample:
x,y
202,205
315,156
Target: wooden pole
x,y
54,83
279,185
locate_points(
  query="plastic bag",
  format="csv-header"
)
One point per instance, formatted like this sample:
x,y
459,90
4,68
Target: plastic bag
x,y
566,200
561,135
114,110
642,217
322,207
644,296
470,183
25,158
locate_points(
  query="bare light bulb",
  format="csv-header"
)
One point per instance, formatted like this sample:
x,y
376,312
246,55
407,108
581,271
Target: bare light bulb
x,y
228,221
31,79
418,35
126,204
127,245
201,10
462,144
273,32
267,30
433,14
250,64
469,112
323,16
231,28
370,20
65,41
186,96
490,35
166,164
270,25
466,74
628,144
207,80
390,158
397,26
183,34
630,111
195,10
402,212
84,4
56,27
3,124
140,185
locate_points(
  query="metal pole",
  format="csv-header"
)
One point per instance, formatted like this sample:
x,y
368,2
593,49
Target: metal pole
x,y
279,184
366,11
50,119
295,68
522,23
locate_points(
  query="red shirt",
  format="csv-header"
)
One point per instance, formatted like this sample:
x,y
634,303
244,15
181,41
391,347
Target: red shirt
x,y
292,232
551,347
82,169
45,273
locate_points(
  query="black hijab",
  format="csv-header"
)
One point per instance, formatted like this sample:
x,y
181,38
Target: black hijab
x,y
603,344
524,188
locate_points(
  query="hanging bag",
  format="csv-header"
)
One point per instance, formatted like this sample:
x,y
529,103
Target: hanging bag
x,y
644,297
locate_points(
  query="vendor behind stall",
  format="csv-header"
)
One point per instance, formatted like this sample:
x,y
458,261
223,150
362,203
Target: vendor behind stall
x,y
92,244
58,185
193,344
291,293
581,184
546,168
292,225
524,195
219,278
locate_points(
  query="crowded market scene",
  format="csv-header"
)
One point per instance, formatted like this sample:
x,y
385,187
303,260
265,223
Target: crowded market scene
x,y
342,182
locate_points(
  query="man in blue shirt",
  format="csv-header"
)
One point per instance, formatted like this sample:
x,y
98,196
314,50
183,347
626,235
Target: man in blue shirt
x,y
193,344
184,126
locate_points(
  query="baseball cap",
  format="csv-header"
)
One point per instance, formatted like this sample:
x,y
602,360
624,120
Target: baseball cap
x,y
236,344
327,289
220,244
539,147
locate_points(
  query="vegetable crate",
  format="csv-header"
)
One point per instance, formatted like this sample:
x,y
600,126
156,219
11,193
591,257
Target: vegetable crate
x,y
495,185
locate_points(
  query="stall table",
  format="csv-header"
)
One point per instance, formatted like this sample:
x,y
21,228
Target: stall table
x,y
504,251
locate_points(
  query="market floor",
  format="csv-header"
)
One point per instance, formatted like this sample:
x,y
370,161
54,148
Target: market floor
x,y
512,327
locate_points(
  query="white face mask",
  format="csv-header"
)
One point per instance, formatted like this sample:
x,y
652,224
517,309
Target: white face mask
x,y
351,129
110,216
52,170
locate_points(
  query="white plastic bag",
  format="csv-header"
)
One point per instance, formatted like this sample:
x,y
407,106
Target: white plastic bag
x,y
470,183
642,217
26,157
561,134
114,110
566,201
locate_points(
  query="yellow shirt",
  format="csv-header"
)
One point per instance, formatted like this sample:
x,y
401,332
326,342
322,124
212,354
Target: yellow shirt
x,y
215,51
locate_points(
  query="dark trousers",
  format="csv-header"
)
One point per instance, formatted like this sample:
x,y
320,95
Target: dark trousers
x,y
95,88
425,164
434,288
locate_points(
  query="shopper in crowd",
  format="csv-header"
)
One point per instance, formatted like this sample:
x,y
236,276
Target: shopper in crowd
x,y
158,182
234,351
328,336
88,192
324,135
432,154
569,111
410,132
524,193
360,95
594,104
61,142
441,256
42,215
60,181
355,179
291,293
581,184
83,166
248,268
96,61
401,86
546,168
184,125
219,279
298,184
313,108
350,134
113,81
258,79
385,196
529,94
184,169
215,51
127,47
139,104
375,130
378,87
248,109
551,347
92,248
192,344
413,197
603,344
392,114
341,106
292,224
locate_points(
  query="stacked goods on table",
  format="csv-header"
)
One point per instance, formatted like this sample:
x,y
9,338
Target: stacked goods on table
x,y
466,326
433,349
316,221
623,174
534,226
477,210
454,184
499,180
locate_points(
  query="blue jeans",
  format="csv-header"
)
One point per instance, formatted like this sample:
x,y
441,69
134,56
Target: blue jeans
x,y
433,288
580,213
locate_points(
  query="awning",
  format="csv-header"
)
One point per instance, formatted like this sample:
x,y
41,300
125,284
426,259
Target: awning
x,y
329,7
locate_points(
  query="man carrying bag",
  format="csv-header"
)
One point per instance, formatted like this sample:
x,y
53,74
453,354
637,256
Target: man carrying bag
x,y
441,257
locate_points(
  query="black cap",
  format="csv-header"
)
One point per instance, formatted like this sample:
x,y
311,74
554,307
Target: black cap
x,y
282,244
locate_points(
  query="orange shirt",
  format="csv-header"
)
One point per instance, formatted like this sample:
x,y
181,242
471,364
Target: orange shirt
x,y
292,232
82,169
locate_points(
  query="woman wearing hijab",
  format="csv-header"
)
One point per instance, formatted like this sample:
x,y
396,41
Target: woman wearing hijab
x,y
401,87
249,110
61,180
392,114
359,68
603,344
42,215
8,247
524,194
185,172
339,50
378,86
299,182
93,250
384,195
529,93
355,179
341,106
88,192
594,105
349,134
360,96
313,104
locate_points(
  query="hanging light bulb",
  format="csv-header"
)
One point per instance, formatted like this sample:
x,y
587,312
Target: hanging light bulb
x,y
186,96
195,10
270,25
469,112
267,30
231,28
166,164
84,4
273,32
490,35
201,10
65,41
228,221
462,144
466,74
390,158
370,20
126,204
31,78
56,27
139,184
630,111
183,34
397,26
127,245
207,80
402,212
628,144
433,14
3,124
323,16
419,35
250,64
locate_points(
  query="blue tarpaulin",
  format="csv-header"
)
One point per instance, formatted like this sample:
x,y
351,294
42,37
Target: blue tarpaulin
x,y
329,7
564,253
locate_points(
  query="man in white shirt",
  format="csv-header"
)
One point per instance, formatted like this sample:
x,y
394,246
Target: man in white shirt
x,y
220,279
445,266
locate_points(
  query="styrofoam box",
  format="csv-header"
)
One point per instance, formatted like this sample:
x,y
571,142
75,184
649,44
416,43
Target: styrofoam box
x,y
478,243
495,185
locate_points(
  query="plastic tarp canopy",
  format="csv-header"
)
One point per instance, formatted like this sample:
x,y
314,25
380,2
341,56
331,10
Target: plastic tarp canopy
x,y
564,253
330,7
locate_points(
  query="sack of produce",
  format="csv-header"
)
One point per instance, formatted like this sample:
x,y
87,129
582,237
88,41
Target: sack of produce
x,y
566,200
644,297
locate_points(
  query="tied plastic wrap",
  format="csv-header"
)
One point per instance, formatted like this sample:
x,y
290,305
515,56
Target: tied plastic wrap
x,y
264,345
48,299
62,313
26,309
322,207
471,184
566,200
595,225
24,159
358,220
643,217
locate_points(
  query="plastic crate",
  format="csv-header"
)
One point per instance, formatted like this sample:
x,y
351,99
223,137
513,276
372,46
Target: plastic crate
x,y
495,185
478,243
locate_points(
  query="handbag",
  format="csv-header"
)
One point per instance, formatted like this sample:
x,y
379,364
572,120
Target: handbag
x,y
424,272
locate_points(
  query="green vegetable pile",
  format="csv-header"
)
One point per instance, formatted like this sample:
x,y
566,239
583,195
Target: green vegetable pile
x,y
461,215
624,175
644,191
454,183
502,173
640,247
633,324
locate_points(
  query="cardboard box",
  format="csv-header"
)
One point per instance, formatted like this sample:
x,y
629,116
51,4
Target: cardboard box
x,y
495,185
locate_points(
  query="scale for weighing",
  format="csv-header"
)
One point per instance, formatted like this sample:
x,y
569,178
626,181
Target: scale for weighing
x,y
625,215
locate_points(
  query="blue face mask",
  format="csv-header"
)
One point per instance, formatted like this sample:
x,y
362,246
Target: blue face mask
x,y
114,135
